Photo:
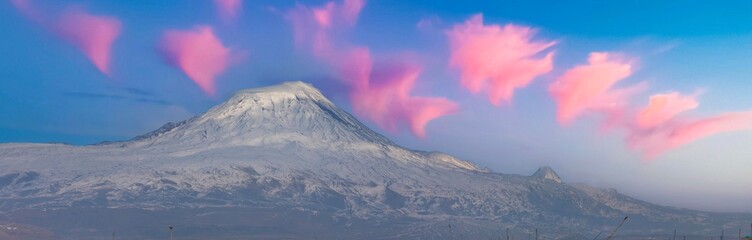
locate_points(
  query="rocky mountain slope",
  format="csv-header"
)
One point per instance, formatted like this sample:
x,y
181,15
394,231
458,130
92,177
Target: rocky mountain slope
x,y
288,155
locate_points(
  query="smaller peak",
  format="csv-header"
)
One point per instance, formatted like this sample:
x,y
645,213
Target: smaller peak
x,y
547,172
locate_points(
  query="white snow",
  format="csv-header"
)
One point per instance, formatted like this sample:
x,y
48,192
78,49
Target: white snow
x,y
286,145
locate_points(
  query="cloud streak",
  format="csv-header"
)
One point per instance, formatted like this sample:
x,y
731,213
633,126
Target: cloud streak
x,y
314,27
590,87
198,53
378,92
30,11
228,10
91,34
137,98
381,93
654,129
497,58
664,107
659,127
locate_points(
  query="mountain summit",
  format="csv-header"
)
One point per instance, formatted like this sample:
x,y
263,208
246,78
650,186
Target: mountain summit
x,y
285,162
547,172
291,111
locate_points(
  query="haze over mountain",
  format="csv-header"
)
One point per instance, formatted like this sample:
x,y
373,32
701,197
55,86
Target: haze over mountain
x,y
285,162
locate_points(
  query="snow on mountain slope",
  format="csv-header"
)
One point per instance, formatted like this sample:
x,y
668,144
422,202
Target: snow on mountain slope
x,y
275,132
289,146
292,111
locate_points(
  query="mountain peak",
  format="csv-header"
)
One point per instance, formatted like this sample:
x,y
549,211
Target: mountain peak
x,y
286,112
547,172
292,87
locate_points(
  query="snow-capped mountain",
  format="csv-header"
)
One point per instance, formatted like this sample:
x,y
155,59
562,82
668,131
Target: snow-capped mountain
x,y
288,153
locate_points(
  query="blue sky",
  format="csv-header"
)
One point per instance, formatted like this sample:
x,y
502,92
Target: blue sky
x,y
50,92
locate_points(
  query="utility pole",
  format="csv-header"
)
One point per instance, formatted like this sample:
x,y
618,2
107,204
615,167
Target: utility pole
x,y
536,234
507,233
450,231
674,234
611,236
171,227
596,236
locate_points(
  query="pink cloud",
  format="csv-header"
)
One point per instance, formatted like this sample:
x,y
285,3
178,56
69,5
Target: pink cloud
x,y
315,26
664,107
659,127
589,87
381,93
679,132
354,65
228,9
199,53
351,9
28,10
501,59
727,122
92,35
654,129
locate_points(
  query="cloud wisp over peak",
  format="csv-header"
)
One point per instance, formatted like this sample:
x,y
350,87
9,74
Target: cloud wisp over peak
x,y
379,92
499,59
382,93
315,27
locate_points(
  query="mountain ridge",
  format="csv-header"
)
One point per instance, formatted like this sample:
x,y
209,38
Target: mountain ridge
x,y
289,148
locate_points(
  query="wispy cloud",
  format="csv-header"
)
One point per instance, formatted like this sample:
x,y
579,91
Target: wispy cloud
x,y
590,87
660,126
198,53
93,95
131,94
378,92
664,107
314,27
154,101
228,10
497,58
382,93
135,91
91,34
